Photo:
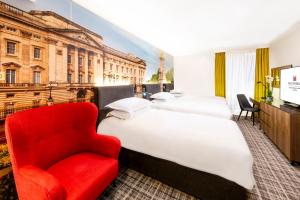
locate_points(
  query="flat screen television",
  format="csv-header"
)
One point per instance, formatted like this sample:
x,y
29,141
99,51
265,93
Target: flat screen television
x,y
290,85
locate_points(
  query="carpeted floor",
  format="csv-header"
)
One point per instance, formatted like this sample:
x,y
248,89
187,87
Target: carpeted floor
x,y
275,177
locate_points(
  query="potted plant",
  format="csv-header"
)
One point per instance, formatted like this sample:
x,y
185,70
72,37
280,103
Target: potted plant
x,y
269,80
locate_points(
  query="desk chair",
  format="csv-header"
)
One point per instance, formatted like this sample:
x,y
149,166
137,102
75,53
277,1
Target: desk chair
x,y
246,106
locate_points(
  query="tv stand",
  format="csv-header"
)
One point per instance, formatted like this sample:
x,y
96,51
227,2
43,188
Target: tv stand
x,y
281,123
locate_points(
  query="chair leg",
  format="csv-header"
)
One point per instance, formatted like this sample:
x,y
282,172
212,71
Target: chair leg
x,y
246,115
240,115
253,118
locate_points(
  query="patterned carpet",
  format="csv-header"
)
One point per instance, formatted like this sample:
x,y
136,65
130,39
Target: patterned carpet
x,y
276,179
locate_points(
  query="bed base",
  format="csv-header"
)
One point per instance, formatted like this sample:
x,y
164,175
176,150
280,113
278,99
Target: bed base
x,y
197,183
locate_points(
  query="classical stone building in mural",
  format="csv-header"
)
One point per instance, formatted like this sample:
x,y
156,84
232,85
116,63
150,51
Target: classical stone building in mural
x,y
40,48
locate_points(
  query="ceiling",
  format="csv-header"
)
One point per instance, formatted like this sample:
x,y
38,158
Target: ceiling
x,y
183,27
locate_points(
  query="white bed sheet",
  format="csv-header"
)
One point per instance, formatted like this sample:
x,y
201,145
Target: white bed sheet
x,y
204,143
214,106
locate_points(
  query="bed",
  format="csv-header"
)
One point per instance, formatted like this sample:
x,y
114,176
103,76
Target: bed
x,y
163,144
205,105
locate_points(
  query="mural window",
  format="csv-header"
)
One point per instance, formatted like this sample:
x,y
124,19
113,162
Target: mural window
x,y
35,103
69,77
9,108
89,63
37,53
11,48
36,77
69,59
80,61
10,76
80,78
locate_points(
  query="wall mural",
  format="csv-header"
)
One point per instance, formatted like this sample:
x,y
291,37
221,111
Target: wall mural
x,y
56,51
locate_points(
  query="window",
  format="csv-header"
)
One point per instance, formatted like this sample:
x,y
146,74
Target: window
x,y
117,68
80,78
37,53
127,70
240,77
89,63
111,66
69,59
11,48
89,79
69,77
80,61
122,69
10,76
37,77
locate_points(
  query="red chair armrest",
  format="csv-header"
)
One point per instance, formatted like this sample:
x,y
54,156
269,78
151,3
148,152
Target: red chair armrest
x,y
106,145
36,183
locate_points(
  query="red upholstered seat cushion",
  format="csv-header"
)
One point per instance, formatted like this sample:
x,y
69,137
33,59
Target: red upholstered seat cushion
x,y
81,174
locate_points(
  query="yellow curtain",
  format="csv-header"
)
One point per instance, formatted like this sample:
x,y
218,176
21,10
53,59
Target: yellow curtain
x,y
220,89
261,71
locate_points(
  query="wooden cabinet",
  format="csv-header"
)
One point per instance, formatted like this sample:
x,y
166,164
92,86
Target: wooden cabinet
x,y
282,125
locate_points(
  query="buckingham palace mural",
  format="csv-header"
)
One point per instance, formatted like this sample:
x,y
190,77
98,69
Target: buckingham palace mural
x,y
45,56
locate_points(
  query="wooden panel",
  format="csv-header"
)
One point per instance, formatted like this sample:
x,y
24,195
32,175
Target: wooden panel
x,y
295,140
283,129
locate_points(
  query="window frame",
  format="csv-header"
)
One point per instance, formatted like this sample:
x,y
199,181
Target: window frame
x,y
9,81
8,48
39,52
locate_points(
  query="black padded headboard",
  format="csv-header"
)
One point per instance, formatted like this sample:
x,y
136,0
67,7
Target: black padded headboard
x,y
167,87
151,88
108,94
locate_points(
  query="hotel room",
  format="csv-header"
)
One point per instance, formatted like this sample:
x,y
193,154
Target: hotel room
x,y
171,100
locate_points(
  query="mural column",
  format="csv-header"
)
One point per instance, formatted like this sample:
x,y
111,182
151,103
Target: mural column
x,y
64,68
98,70
52,59
161,70
76,64
86,63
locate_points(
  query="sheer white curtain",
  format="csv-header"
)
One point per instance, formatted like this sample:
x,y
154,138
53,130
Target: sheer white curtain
x,y
240,77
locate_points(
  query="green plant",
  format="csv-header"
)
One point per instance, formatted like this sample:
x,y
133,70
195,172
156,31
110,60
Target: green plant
x,y
269,93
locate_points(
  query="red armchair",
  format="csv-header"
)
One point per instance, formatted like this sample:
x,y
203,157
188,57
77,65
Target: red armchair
x,y
56,153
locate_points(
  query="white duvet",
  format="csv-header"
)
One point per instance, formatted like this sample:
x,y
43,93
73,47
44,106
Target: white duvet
x,y
214,106
204,143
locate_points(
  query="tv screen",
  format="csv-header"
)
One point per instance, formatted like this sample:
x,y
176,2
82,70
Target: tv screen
x,y
290,85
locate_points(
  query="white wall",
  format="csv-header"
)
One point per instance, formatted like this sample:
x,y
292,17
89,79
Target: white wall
x,y
285,50
195,74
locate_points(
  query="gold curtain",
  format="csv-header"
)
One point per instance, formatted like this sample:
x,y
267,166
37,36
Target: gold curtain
x,y
261,71
220,89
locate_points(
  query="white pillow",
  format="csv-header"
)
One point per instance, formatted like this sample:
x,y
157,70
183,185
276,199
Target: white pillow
x,y
130,104
125,115
176,91
162,96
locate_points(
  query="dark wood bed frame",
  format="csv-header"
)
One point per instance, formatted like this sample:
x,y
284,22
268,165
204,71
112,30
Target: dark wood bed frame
x,y
197,183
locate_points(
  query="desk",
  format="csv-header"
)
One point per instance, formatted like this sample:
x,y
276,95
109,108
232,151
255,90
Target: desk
x,y
281,124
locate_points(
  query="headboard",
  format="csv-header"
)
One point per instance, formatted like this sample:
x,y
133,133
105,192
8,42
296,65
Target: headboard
x,y
167,87
151,88
108,94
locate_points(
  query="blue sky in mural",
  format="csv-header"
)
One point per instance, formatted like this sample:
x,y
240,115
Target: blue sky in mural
x,y
113,36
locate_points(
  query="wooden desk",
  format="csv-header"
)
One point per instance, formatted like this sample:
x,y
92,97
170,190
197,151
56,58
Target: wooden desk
x,y
281,124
